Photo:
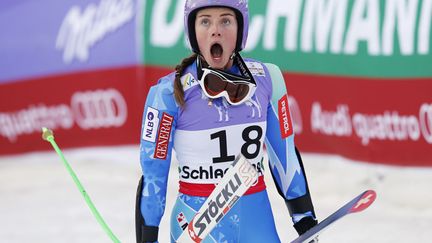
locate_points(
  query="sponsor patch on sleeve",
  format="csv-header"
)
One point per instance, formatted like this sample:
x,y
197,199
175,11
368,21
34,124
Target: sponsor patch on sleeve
x,y
165,127
285,122
151,124
188,81
255,68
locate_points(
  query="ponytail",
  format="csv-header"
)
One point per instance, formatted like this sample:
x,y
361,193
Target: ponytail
x,y
178,87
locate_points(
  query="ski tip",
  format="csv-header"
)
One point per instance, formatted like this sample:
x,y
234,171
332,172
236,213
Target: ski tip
x,y
47,134
365,200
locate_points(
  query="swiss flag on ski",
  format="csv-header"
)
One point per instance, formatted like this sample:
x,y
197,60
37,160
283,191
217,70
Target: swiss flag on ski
x,y
358,204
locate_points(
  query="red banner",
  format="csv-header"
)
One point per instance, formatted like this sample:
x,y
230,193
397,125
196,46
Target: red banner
x,y
377,120
102,107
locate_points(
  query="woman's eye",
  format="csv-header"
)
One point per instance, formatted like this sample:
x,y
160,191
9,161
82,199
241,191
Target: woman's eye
x,y
226,21
205,22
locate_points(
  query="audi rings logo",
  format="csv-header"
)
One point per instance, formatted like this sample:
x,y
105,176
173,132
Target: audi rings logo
x,y
426,121
99,109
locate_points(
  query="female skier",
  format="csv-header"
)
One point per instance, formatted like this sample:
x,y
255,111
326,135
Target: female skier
x,y
215,106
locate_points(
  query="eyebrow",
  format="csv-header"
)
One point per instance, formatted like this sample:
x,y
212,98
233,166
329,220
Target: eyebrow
x,y
227,14
208,15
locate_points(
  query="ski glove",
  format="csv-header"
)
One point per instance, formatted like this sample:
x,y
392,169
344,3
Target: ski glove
x,y
305,224
149,234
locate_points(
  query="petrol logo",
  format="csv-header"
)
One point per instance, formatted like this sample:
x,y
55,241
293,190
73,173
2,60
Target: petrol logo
x,y
285,122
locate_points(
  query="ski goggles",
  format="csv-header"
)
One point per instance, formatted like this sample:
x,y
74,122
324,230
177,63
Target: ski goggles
x,y
236,89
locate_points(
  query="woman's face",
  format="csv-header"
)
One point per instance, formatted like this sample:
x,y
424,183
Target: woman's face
x,y
216,34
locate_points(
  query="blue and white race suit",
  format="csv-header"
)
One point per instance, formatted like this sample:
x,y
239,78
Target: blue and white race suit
x,y
206,136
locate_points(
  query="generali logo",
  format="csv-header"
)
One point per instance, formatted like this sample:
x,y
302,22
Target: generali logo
x,y
82,29
163,136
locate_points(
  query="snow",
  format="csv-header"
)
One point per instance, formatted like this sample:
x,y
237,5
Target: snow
x,y
39,201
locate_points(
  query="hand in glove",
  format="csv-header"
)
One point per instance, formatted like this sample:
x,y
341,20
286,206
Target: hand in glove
x,y
304,225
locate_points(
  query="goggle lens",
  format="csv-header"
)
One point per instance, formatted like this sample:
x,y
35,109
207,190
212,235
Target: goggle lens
x,y
235,88
237,92
215,84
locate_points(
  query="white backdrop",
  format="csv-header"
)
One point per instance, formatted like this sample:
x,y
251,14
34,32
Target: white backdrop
x,y
40,203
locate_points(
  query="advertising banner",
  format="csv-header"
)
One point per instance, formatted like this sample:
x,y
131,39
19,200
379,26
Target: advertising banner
x,y
47,37
88,108
359,72
73,67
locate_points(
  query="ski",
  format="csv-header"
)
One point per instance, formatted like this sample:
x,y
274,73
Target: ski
x,y
359,203
237,180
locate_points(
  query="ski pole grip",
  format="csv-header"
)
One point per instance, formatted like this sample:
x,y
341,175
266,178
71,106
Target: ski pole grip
x,y
47,134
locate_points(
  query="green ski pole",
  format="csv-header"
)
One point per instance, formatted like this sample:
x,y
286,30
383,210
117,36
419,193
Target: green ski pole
x,y
48,135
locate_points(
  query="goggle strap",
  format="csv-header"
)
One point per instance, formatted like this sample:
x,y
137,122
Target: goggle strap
x,y
236,79
243,68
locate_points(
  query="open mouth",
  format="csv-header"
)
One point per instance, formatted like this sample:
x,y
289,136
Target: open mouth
x,y
216,50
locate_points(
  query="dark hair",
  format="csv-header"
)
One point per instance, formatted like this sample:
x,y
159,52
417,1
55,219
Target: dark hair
x,y
178,87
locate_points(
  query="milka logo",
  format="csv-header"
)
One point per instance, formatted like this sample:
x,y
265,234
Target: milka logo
x,y
81,30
